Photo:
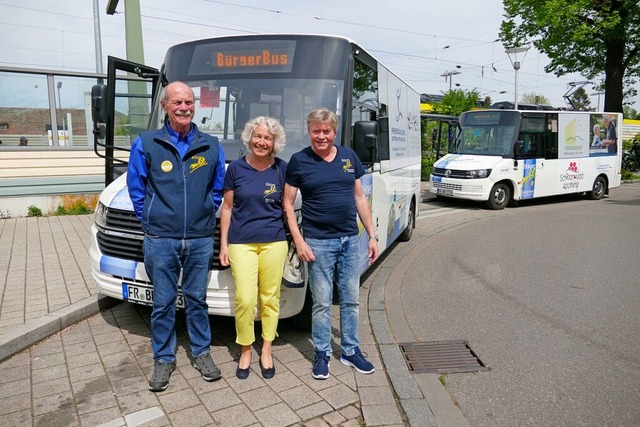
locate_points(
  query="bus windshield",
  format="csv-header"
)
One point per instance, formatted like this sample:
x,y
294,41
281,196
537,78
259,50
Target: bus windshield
x,y
489,133
238,78
224,106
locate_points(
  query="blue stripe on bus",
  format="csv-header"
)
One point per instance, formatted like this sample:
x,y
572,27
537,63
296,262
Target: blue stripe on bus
x,y
118,266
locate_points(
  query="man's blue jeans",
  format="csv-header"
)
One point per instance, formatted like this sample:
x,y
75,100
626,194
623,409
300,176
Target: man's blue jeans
x,y
163,259
336,259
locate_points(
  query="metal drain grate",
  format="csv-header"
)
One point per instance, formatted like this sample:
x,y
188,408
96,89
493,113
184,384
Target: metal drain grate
x,y
441,357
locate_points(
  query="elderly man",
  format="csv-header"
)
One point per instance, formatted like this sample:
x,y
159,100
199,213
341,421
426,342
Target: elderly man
x,y
175,179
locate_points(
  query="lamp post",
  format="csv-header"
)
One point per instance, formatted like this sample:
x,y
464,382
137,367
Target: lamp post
x,y
448,74
59,85
516,66
64,131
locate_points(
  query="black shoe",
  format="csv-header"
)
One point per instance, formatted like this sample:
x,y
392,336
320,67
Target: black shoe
x,y
243,374
159,380
267,372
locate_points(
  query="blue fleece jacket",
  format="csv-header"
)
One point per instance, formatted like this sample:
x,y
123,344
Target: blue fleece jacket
x,y
175,183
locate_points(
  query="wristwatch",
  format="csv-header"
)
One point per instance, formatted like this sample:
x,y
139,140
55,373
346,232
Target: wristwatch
x,y
374,237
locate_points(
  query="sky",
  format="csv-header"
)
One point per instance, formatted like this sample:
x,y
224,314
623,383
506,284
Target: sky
x,y
417,40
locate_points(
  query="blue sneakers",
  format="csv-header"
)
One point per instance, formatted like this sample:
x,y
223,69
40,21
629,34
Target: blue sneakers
x,y
358,362
320,366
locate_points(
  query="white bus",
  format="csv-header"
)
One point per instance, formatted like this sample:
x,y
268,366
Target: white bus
x,y
502,156
236,79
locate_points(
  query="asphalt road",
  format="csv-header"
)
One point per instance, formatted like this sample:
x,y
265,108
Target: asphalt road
x,y
548,296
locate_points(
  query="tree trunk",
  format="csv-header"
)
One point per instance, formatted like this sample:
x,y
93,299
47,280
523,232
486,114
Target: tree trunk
x,y
614,73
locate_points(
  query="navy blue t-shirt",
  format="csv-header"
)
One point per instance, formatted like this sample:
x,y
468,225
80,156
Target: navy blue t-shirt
x,y
327,188
256,216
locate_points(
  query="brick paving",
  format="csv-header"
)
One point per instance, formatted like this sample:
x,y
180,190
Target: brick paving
x,y
92,366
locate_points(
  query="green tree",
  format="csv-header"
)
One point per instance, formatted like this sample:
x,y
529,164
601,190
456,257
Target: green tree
x,y
457,101
364,80
630,113
580,100
535,98
584,36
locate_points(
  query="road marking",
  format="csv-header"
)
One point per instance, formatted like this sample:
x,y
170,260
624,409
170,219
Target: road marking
x,y
432,213
136,418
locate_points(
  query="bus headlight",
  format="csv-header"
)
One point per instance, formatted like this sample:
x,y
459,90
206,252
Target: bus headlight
x,y
100,215
479,173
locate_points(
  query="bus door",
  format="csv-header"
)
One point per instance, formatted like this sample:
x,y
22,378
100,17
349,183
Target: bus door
x,y
534,155
121,110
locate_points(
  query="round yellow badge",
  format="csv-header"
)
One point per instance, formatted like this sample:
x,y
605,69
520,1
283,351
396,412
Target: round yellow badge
x,y
166,166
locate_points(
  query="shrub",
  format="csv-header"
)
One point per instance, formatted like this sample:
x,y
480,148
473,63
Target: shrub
x,y
428,159
34,211
75,205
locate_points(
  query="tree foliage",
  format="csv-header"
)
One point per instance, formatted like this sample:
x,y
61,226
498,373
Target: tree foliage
x,y
535,98
580,100
590,37
457,101
630,113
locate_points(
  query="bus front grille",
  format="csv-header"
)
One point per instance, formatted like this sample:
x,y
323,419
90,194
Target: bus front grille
x,y
130,246
454,173
447,186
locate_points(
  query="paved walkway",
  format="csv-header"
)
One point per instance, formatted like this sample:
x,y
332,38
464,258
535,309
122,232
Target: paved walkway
x,y
72,357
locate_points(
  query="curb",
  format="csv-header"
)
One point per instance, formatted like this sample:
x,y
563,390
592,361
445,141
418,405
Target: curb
x,y
35,330
421,397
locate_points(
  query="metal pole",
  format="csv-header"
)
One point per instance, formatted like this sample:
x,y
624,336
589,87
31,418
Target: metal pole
x,y
516,66
64,130
515,99
97,35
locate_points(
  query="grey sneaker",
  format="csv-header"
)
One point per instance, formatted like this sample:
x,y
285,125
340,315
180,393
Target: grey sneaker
x,y
159,380
208,369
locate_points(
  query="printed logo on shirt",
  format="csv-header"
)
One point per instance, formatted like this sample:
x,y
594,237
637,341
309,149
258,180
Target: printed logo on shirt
x,y
271,189
199,161
166,166
348,166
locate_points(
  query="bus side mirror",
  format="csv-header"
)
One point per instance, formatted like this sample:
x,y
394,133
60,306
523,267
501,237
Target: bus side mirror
x,y
365,140
99,104
99,110
517,148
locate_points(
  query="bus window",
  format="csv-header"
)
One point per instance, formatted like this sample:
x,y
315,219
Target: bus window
x,y
364,102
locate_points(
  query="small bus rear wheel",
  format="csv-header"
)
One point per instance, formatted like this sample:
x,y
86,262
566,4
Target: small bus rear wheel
x,y
598,189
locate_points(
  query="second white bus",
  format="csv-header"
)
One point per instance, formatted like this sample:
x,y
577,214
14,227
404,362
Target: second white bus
x,y
502,156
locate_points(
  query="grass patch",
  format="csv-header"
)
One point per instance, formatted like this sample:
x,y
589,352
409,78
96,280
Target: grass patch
x,y
442,380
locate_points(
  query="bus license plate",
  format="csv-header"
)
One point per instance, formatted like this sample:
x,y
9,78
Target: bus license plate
x,y
144,295
443,192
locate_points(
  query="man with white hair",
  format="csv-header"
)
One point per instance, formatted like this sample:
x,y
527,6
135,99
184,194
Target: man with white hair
x,y
175,179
